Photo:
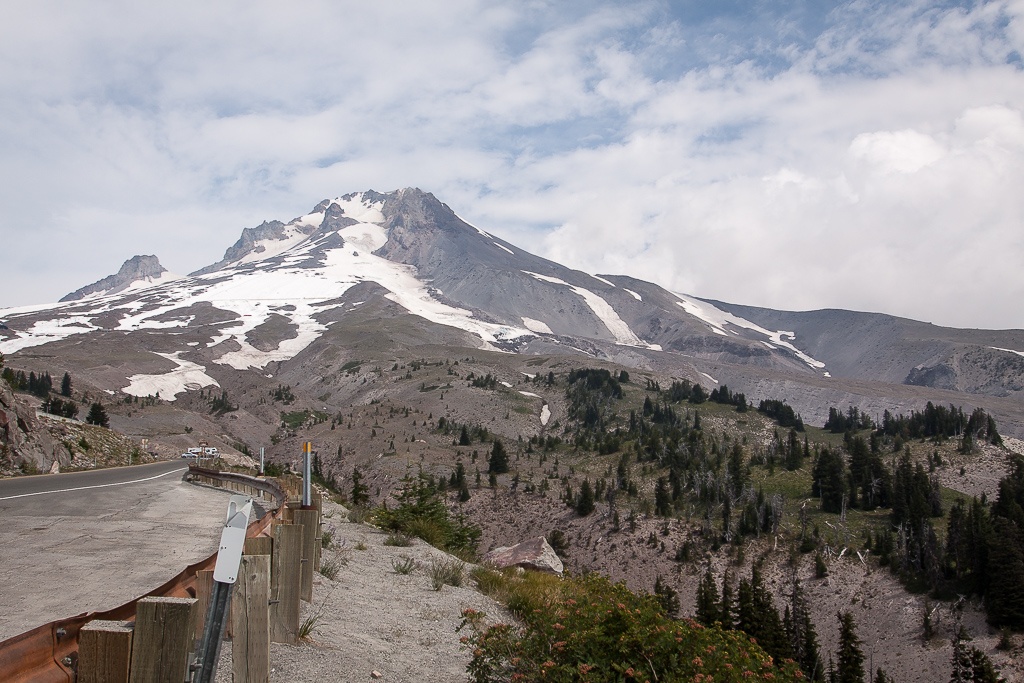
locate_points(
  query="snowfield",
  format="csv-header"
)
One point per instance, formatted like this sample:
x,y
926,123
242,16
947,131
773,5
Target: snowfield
x,y
717,319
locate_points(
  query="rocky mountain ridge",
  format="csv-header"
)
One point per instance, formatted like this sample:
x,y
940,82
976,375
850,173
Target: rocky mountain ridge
x,y
282,288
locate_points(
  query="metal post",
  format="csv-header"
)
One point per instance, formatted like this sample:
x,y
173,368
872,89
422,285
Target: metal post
x,y
225,572
261,460
307,475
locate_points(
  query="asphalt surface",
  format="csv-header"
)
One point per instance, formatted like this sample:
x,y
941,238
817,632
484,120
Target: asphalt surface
x,y
89,541
50,487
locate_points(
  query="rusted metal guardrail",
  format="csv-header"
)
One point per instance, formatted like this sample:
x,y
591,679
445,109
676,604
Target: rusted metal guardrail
x,y
49,653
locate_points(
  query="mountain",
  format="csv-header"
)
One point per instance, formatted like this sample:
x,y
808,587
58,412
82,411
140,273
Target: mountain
x,y
136,273
284,292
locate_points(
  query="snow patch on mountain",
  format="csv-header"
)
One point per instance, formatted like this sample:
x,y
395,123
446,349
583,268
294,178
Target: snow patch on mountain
x,y
503,247
602,309
537,326
545,415
46,331
996,348
601,279
360,209
635,295
167,386
717,319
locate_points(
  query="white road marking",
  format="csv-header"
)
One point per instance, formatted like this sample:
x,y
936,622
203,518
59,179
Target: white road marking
x,y
95,486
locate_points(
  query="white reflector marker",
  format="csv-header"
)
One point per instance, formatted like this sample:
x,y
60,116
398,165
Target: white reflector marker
x,y
232,539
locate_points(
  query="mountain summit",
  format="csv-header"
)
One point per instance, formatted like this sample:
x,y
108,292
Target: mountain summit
x,y
136,273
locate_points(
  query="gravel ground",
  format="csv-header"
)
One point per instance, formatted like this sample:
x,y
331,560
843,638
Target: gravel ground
x,y
376,620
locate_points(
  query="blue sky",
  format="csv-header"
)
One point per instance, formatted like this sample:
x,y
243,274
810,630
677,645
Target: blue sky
x,y
861,155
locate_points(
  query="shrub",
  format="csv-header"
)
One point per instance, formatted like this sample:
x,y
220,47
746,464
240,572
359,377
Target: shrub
x,y
398,540
422,513
404,566
330,568
446,573
589,629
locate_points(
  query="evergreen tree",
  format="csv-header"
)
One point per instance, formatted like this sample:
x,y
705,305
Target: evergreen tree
x,y
498,463
829,481
662,500
65,386
727,608
585,499
851,659
360,493
803,639
464,436
667,596
98,415
708,610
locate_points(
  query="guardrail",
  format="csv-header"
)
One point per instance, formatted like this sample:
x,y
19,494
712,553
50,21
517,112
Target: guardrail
x,y
49,653
260,487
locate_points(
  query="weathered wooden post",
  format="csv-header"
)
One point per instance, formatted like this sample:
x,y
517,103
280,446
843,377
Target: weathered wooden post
x,y
105,652
307,519
162,640
250,612
259,545
285,584
204,586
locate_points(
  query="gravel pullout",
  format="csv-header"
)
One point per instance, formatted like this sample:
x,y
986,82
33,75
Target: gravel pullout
x,y
376,620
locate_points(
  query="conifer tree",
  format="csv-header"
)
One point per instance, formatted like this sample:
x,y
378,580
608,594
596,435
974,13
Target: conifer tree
x,y
498,463
851,658
98,415
360,493
727,608
65,385
662,500
708,610
464,436
585,499
667,596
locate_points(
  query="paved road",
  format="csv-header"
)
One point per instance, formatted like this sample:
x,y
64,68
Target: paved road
x,y
88,541
50,487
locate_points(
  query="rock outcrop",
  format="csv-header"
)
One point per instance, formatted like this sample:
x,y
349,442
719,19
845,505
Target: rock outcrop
x,y
534,554
24,442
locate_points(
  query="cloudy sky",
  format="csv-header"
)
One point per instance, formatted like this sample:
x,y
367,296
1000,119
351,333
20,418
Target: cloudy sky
x,y
808,154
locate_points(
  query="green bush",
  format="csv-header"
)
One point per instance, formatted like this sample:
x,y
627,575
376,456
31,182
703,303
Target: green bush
x,y
446,573
589,629
422,513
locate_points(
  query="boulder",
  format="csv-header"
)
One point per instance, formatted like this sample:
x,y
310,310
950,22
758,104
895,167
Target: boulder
x,y
534,554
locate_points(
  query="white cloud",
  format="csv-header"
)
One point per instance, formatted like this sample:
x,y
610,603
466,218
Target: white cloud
x,y
866,155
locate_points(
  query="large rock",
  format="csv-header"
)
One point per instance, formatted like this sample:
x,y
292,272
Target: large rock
x,y
23,440
534,554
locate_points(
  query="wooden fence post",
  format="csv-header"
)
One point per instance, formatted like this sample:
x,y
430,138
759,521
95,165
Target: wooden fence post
x,y
204,588
163,639
308,520
104,652
259,545
284,584
250,612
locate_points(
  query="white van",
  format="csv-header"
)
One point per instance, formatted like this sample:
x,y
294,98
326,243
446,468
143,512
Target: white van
x,y
195,452
211,452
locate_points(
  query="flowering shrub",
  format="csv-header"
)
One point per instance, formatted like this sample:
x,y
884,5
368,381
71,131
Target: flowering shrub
x,y
589,629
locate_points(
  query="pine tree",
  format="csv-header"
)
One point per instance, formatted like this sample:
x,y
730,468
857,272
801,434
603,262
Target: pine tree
x,y
360,493
585,499
65,385
662,500
803,638
667,596
498,463
727,608
98,415
708,610
851,659
464,436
